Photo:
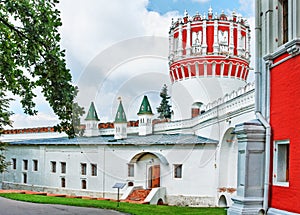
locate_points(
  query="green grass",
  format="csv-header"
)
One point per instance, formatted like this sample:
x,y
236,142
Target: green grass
x,y
134,209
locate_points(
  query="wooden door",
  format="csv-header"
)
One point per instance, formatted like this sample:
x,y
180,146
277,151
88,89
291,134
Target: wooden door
x,y
155,176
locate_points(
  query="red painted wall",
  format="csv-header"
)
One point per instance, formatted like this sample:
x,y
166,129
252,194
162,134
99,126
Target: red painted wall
x,y
285,123
210,37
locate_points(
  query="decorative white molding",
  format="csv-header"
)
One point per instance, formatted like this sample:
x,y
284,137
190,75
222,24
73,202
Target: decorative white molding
x,y
294,50
197,40
223,41
231,41
216,42
204,43
188,39
180,41
239,40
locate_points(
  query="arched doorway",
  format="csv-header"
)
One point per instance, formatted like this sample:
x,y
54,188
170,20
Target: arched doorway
x,y
222,202
228,161
148,168
154,176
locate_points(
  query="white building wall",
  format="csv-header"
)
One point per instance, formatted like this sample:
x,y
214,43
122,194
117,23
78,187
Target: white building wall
x,y
198,169
186,92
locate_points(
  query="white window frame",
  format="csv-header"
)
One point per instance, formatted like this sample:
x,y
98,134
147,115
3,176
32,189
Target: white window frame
x,y
94,169
275,163
53,166
130,170
83,168
175,166
35,165
14,163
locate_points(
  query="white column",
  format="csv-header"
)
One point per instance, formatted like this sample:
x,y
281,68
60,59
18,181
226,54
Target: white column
x,y
188,39
179,50
248,37
290,19
239,38
172,75
204,44
231,41
177,73
296,18
295,21
171,45
216,43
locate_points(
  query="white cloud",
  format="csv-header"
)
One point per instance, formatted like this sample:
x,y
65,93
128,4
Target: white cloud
x,y
247,6
108,39
97,25
90,30
40,120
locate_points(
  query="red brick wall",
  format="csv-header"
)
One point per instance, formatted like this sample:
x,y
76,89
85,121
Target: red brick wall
x,y
285,123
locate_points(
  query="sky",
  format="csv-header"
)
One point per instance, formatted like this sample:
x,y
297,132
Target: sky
x,y
119,48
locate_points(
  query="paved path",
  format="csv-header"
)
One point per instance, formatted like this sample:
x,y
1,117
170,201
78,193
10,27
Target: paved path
x,y
11,207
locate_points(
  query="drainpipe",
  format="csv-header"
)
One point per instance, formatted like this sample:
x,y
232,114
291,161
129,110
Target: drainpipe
x,y
103,174
258,99
267,159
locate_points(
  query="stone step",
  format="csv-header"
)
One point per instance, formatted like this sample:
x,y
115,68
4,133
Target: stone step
x,y
138,195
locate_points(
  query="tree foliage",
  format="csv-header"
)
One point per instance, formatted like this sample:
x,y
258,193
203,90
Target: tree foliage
x,y
164,108
31,57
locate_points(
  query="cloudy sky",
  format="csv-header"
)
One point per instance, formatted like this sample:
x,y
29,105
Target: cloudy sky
x,y
119,48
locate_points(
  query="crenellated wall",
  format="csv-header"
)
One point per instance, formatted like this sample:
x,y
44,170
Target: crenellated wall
x,y
224,108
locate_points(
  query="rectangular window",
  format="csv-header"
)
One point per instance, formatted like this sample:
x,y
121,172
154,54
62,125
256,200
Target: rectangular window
x,y
177,170
35,165
14,163
94,169
283,20
25,164
63,167
130,170
281,162
25,178
53,166
83,184
63,182
83,168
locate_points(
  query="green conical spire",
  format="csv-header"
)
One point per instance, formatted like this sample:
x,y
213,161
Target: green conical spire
x,y
92,114
120,115
145,107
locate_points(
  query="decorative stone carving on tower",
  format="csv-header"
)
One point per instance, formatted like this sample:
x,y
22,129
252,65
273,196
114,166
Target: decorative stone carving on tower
x,y
91,125
145,117
120,123
211,58
197,41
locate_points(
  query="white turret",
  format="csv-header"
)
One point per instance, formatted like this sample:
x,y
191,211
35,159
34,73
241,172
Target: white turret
x,y
120,123
145,118
91,125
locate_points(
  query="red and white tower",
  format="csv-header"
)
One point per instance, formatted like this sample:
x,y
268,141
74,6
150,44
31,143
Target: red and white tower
x,y
208,57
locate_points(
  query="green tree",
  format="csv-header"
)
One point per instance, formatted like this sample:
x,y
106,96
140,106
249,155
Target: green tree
x,y
164,108
31,57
